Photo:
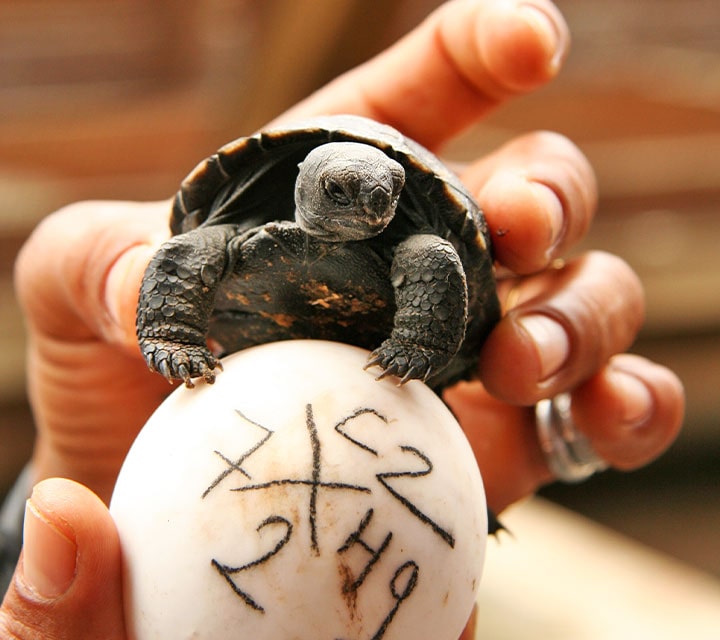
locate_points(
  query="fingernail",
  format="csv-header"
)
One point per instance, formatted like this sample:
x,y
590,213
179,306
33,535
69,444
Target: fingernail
x,y
554,212
555,40
551,341
638,401
49,555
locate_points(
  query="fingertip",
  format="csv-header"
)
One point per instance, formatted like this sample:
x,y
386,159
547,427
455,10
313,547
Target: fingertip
x,y
551,30
539,195
68,581
632,410
49,552
76,513
526,357
550,342
526,219
597,302
523,45
62,272
466,58
663,424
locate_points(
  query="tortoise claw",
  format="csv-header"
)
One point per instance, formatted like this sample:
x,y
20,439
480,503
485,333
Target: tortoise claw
x,y
392,370
373,360
208,374
408,362
177,361
184,373
415,374
164,369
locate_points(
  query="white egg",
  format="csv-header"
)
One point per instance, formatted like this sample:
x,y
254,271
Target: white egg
x,y
298,498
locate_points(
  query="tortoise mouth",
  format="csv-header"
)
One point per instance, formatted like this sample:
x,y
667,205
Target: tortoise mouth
x,y
341,228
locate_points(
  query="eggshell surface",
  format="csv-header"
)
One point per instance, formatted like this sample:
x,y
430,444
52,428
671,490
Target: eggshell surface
x,y
298,498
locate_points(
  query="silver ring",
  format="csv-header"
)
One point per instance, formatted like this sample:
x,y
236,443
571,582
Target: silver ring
x,y
568,452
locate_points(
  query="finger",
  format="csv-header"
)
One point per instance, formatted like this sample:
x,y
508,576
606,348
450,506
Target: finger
x,y
469,631
539,195
78,279
565,324
504,442
631,411
87,285
68,581
462,61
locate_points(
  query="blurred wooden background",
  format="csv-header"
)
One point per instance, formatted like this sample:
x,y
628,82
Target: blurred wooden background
x,y
102,99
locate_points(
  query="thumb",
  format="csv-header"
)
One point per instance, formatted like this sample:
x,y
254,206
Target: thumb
x,y
67,584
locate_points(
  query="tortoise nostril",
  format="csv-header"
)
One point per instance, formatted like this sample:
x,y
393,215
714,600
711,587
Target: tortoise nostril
x,y
378,202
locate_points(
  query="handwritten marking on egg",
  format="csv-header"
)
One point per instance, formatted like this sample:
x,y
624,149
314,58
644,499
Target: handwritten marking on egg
x,y
298,498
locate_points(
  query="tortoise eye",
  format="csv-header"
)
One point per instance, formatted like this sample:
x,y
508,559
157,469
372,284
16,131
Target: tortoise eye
x,y
336,193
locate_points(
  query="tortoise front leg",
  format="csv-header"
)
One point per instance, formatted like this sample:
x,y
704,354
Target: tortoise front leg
x,y
432,308
176,300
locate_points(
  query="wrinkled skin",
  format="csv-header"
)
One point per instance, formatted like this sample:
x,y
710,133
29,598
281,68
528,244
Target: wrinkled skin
x,y
347,191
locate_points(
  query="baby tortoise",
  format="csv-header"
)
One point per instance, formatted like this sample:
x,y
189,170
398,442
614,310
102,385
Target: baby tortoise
x,y
335,228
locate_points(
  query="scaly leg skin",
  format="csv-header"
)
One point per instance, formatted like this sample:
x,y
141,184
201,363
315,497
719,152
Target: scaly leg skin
x,y
176,300
432,307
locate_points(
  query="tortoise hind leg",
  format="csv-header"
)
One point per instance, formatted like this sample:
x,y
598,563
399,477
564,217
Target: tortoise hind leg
x,y
432,307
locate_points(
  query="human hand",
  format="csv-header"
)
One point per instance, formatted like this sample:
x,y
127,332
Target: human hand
x,y
78,278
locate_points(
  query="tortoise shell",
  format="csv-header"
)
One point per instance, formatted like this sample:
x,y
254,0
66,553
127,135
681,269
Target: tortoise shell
x,y
250,182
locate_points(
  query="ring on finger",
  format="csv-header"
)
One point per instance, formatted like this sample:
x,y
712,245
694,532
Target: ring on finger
x,y
568,453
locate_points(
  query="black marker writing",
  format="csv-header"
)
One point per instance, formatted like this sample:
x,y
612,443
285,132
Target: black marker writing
x,y
370,552
315,442
314,482
227,571
339,427
236,466
384,477
355,538
408,572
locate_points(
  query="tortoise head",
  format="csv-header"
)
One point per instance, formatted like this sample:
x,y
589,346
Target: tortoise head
x,y
347,191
